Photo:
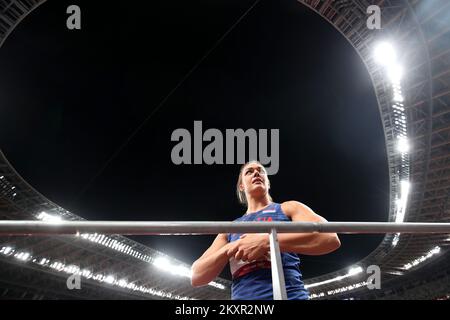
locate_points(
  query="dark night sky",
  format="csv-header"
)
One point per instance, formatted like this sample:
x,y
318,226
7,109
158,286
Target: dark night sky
x,y
69,99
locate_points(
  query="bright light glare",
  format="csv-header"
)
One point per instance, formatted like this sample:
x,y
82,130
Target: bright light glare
x,y
22,255
44,216
385,54
402,201
395,73
405,186
217,285
86,273
162,263
180,271
109,279
6,250
355,270
402,145
122,283
352,271
398,97
417,261
396,239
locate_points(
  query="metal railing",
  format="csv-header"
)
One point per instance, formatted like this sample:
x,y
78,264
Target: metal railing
x,y
41,228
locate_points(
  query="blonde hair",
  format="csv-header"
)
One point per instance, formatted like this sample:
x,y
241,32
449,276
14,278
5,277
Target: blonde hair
x,y
241,193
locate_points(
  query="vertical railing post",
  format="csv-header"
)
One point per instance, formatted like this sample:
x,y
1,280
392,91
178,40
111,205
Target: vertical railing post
x,y
279,287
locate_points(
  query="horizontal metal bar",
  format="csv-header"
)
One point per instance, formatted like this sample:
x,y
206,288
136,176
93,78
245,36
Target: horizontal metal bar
x,y
26,227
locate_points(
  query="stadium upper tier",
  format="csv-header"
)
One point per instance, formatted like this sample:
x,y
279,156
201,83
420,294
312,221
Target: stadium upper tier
x,y
408,60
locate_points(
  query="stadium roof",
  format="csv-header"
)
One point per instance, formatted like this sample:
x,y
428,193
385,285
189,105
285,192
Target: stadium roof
x,y
412,86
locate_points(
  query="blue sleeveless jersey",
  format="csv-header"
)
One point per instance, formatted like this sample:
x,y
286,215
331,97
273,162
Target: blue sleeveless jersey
x,y
253,280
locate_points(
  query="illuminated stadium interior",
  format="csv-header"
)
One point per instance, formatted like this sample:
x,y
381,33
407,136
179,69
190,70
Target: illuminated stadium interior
x,y
409,64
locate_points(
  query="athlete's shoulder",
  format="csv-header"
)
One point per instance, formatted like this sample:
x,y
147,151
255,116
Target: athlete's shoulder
x,y
292,207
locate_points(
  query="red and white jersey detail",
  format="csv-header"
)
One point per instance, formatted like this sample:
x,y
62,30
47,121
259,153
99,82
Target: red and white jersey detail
x,y
240,268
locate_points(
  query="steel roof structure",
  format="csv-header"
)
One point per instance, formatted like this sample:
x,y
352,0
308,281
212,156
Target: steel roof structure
x,y
415,108
421,30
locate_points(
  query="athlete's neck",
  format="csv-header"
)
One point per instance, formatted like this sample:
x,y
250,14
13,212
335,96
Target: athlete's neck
x,y
257,204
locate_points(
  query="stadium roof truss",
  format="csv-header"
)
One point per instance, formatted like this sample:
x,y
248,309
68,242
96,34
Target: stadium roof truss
x,y
414,110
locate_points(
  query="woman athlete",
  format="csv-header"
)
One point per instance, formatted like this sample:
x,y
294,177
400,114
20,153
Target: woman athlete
x,y
248,254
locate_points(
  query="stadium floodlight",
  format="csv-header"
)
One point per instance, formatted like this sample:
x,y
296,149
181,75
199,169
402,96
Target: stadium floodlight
x,y
122,283
398,97
423,258
110,279
71,269
99,277
396,239
435,250
57,266
181,271
347,288
6,250
86,273
355,270
44,216
395,73
405,187
217,285
352,271
162,263
402,145
317,295
385,54
22,256
401,202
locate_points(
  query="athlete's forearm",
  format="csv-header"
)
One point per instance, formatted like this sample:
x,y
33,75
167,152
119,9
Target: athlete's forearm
x,y
206,269
308,243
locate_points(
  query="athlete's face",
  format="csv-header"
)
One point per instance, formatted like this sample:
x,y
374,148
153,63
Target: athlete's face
x,y
254,180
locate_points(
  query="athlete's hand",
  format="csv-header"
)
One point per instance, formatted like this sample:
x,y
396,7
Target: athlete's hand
x,y
251,247
233,247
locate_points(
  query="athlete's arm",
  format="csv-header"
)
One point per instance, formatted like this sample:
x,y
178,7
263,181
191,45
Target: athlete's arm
x,y
306,243
252,245
206,268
